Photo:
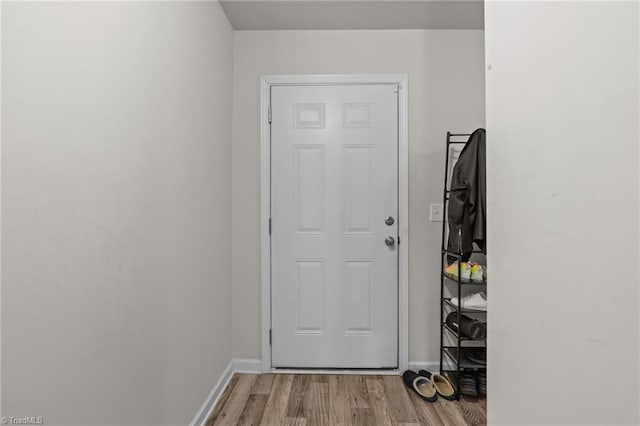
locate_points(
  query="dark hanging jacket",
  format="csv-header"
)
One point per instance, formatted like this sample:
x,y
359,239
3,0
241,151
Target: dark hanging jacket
x,y
468,198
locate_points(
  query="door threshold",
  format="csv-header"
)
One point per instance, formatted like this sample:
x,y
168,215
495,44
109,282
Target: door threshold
x,y
360,371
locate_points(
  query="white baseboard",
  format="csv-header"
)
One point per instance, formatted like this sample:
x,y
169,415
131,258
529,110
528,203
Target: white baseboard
x,y
236,365
433,366
214,395
334,372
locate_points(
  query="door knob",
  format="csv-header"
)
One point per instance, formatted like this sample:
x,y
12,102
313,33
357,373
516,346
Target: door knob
x,y
389,220
390,241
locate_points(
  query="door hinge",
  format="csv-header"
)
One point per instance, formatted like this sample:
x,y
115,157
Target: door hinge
x,y
398,240
270,337
269,226
397,88
269,115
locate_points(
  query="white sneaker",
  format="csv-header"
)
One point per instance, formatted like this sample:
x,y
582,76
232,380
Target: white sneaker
x,y
476,301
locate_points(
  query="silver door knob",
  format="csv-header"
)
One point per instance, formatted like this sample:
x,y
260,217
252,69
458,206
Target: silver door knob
x,y
389,220
390,241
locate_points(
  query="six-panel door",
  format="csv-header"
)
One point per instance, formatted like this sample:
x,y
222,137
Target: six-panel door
x,y
334,181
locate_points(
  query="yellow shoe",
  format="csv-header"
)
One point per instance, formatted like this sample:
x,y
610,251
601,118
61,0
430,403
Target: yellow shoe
x,y
451,271
477,273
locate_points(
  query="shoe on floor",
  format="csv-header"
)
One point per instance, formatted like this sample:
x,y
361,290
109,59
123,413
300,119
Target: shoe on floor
x,y
451,271
421,385
476,301
443,386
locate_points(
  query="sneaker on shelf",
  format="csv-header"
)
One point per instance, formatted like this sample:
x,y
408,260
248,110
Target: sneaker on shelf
x,y
452,271
477,273
475,301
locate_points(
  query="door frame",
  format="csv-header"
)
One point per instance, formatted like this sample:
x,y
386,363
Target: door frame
x,y
266,82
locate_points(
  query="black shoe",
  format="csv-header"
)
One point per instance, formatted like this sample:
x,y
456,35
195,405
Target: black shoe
x,y
468,385
422,386
443,386
477,355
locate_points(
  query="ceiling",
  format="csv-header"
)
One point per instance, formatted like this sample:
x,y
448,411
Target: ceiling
x,y
354,14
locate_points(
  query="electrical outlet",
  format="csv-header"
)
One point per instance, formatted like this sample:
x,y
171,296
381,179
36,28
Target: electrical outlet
x,y
435,213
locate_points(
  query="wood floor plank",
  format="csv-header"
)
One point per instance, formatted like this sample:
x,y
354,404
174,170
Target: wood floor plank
x,y
253,410
320,378
317,403
294,421
263,384
275,410
378,401
427,412
336,400
362,417
374,385
339,410
450,412
473,412
234,406
400,404
357,391
299,388
222,400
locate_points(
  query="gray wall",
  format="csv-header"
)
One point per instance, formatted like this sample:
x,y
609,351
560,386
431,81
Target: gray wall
x,y
562,158
446,92
116,168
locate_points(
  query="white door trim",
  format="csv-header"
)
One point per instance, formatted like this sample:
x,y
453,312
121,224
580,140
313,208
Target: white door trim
x,y
403,203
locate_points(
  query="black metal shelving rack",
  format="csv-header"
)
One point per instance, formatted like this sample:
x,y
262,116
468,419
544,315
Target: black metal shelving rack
x,y
452,353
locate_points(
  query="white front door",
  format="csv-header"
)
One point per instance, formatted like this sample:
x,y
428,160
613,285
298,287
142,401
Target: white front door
x,y
334,202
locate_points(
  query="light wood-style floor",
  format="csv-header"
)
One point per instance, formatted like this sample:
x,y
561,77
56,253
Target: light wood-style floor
x,y
310,399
